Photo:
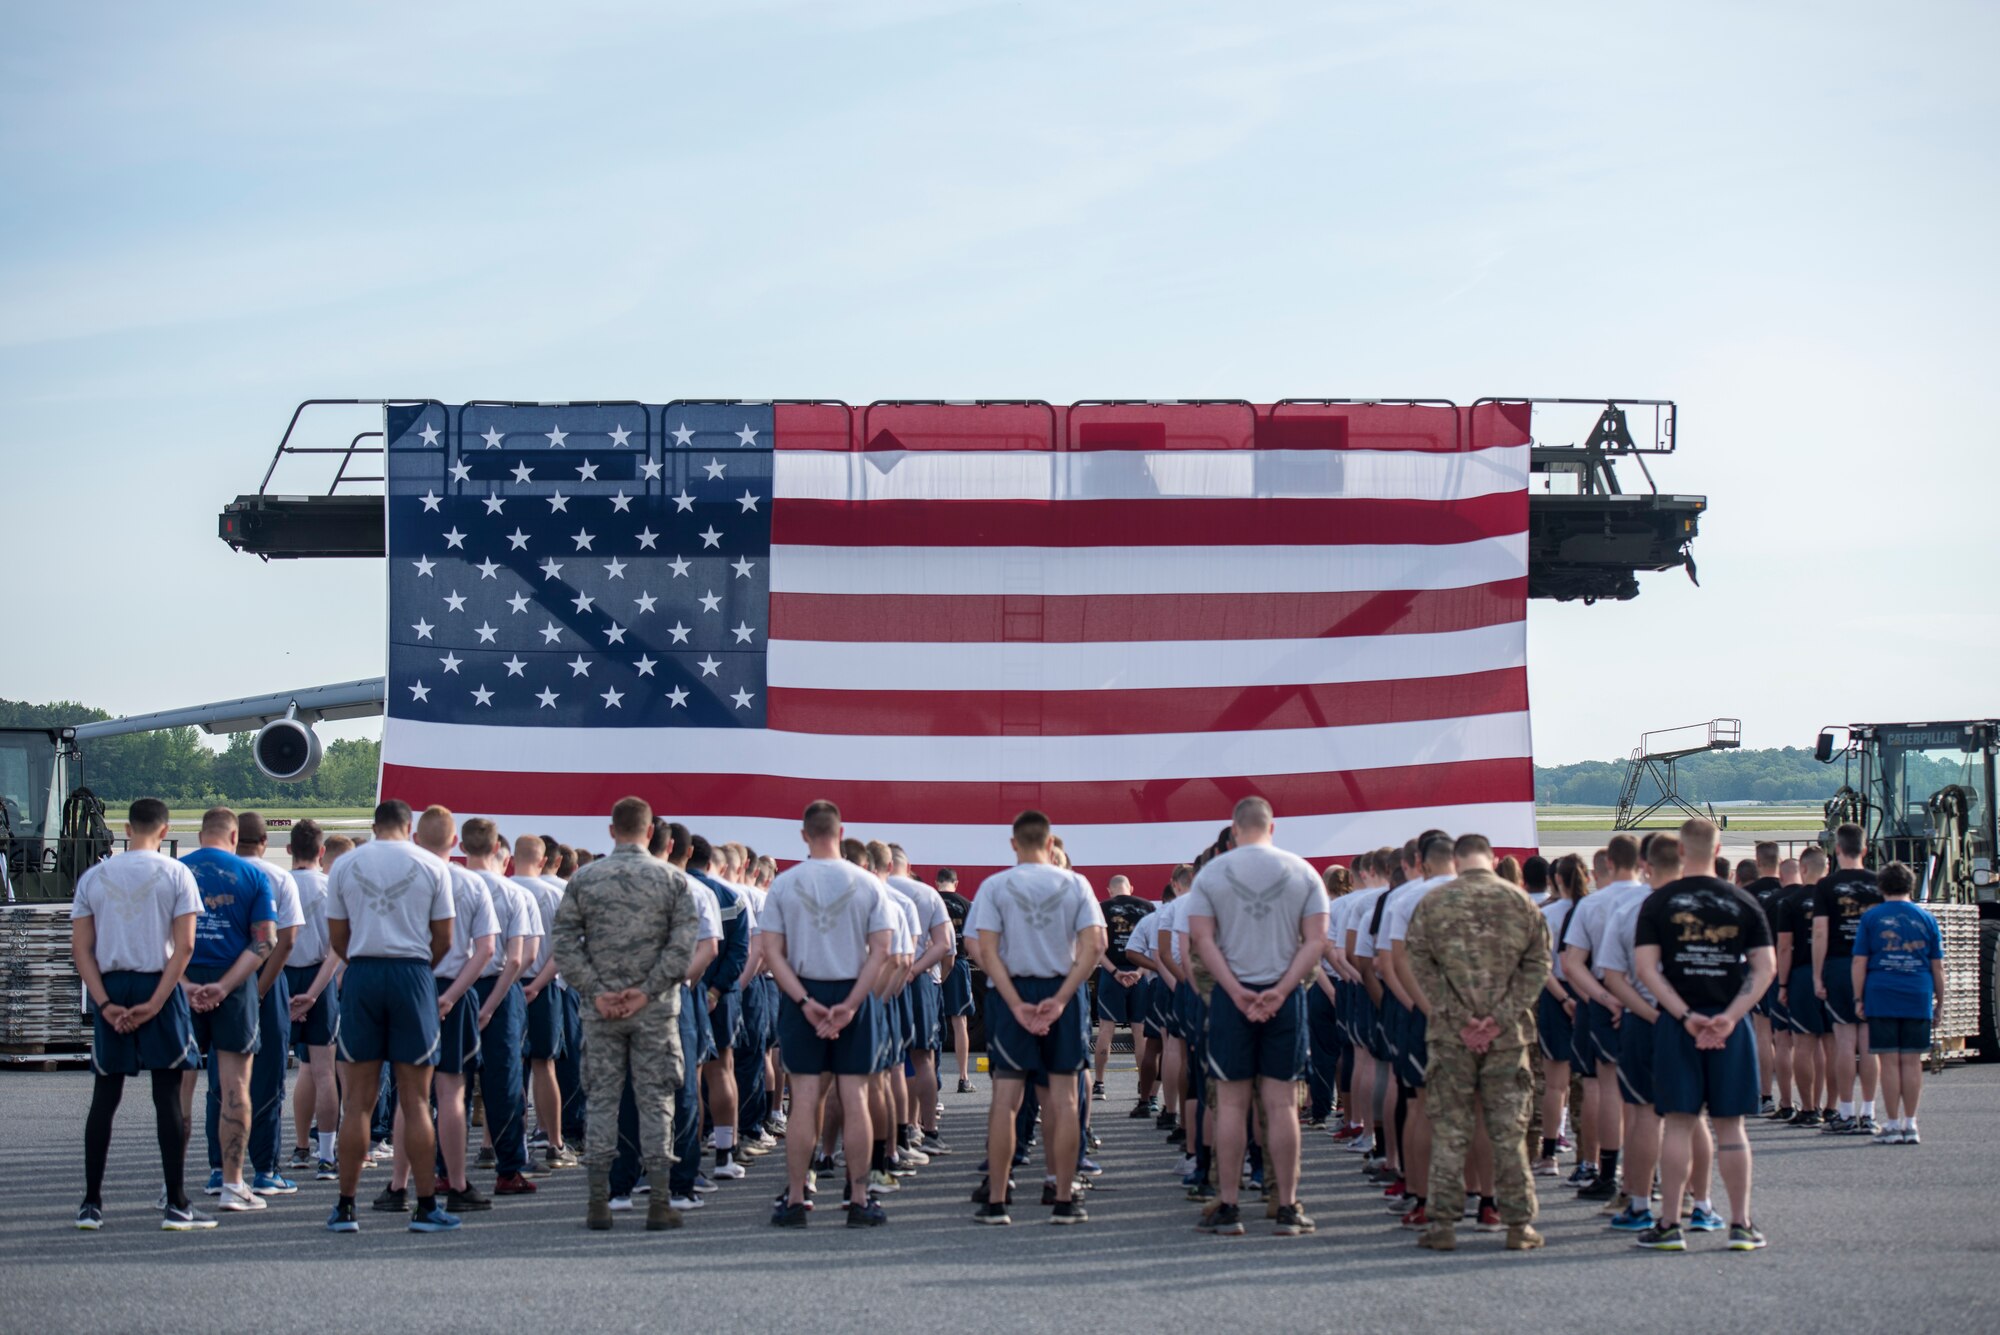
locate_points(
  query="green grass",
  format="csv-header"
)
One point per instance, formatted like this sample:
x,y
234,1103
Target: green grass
x,y
1566,825
189,815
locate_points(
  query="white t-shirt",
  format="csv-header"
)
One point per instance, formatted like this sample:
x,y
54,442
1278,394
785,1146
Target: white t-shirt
x,y
310,946
472,902
389,892
1145,936
1171,921
1587,929
1621,929
547,901
1037,911
708,911
133,898
930,912
284,897
1362,920
826,909
518,913
1555,911
904,941
1260,898
1396,918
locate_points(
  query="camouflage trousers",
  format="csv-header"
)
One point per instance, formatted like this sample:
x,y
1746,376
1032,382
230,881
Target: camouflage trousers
x,y
1461,1085
648,1045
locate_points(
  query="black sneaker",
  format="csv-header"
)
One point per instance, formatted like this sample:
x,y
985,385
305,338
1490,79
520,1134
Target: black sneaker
x,y
1292,1221
1784,1114
965,1086
89,1218
1097,1091
472,1198
1806,1117
1177,1136
789,1216
301,1157
1838,1126
1221,1219
486,1159
1069,1212
823,1163
1863,1125
1601,1188
1766,1106
393,1201
992,1213
869,1215
1745,1238
1166,1121
184,1219
1661,1238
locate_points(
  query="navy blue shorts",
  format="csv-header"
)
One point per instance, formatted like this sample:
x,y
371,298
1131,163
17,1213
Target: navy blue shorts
x,y
855,1050
1191,1016
1635,1060
958,988
164,1043
1839,979
758,1014
1781,1015
1603,1034
1802,1005
545,1025
1243,1049
1114,1000
231,1026
704,1031
1898,1033
1413,1051
388,1012
458,1032
1689,1080
1013,1051
1376,1037
725,1020
926,1008
322,1022
1767,1005
1582,1046
1552,1027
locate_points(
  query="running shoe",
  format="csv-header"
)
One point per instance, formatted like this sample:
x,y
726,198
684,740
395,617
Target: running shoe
x,y
89,1218
1888,1135
1583,1175
342,1220
302,1158
470,1200
965,1086
274,1184
186,1219
1069,1212
992,1212
1488,1220
1704,1220
1547,1168
1745,1238
1838,1125
823,1163
326,1170
1599,1189
1088,1166
788,1216
869,1215
1766,1106
702,1183
1141,1110
688,1202
1863,1125
513,1184
237,1197
485,1159
1629,1220
393,1200
910,1154
1661,1238
883,1182
1293,1221
434,1220
620,1204
1396,1190
1165,1121
1201,1192
1097,1091
1784,1114
1222,1219
214,1187
934,1145
1416,1217
1910,1136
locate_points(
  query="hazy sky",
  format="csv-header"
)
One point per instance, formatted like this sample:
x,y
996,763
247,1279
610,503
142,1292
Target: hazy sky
x,y
1780,215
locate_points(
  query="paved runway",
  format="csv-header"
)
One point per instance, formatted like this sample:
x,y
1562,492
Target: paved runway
x,y
1862,1238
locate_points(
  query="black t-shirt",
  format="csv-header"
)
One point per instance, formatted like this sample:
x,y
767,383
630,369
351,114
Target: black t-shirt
x,y
1705,929
1841,899
956,906
1795,914
1767,891
1121,915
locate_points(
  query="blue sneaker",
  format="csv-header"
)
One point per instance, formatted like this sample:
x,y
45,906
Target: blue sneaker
x,y
1088,1166
273,1184
1257,1180
1705,1221
326,1171
435,1221
1629,1220
214,1187
342,1220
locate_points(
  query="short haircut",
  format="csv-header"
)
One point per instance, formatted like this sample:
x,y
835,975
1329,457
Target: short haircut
x,y
946,876
306,840
1812,856
1181,875
1665,854
1437,848
393,814
250,829
701,854
822,820
148,814
879,860
478,837
1535,874
436,826
217,821
854,851
631,817
1767,855
1623,850
1896,879
1789,867
1848,840
1600,862
1112,886
1472,846
528,848
565,861
1722,866
1031,829
1251,813
336,844
1698,838
1746,871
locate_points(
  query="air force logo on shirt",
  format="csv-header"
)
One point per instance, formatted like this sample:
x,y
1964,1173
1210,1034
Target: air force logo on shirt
x,y
826,916
384,898
1259,904
1037,916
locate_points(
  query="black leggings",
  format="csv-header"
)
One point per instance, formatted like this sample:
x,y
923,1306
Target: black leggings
x,y
104,1097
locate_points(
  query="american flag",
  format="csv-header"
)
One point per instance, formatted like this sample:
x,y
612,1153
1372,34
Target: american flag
x,y
936,614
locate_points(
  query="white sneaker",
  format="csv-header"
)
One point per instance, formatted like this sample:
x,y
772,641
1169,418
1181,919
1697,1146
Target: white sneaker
x,y
689,1203
621,1202
1186,1166
730,1170
912,1156
644,1188
236,1196
1910,1135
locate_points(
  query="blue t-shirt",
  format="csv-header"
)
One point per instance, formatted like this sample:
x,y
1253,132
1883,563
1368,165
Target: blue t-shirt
x,y
1900,941
234,894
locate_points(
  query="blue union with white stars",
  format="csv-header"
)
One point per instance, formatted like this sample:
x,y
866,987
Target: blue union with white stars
x,y
588,565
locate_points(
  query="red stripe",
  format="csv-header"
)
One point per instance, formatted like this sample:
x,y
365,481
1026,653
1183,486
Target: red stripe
x,y
1140,617
1140,801
1221,521
1182,710
1147,880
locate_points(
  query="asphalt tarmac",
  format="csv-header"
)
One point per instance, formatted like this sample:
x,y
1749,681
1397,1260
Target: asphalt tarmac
x,y
1863,1238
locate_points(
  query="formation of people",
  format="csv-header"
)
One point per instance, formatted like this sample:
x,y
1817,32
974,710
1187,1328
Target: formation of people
x,y
677,1009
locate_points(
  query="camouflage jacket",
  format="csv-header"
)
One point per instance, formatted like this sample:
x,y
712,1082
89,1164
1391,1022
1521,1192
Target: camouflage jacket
x,y
627,920
1479,947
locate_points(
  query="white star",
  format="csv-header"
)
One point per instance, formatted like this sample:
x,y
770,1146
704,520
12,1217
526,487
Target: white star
x,y
519,602
430,500
557,437
551,633
619,435
547,697
586,471
423,629
612,697
708,666
743,632
677,698
489,568
645,665
746,435
741,565
646,601
494,504
461,471
517,540
424,565
621,502
455,601
451,662
486,631
558,501
523,473
683,436
579,667
420,692
482,696
651,470
514,664
615,568
680,567
492,437
550,568
614,634
683,502
711,601
646,538
748,500
430,434
583,537
454,538
679,632
583,602
714,468
742,699
711,538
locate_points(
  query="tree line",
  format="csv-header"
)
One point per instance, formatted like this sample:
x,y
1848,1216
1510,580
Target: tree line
x,y
1774,774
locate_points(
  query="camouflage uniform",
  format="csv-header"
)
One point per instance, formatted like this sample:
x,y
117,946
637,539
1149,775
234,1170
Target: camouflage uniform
x,y
628,920
1479,947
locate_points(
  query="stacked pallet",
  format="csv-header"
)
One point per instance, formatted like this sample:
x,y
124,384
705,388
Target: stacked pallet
x,y
1958,1015
40,994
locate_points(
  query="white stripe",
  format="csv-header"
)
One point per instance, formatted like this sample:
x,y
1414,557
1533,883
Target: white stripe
x,y
1036,475
1106,570
1507,824
836,757
1105,666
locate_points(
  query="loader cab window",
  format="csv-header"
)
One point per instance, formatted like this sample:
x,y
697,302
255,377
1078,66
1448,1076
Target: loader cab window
x,y
1915,764
27,764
